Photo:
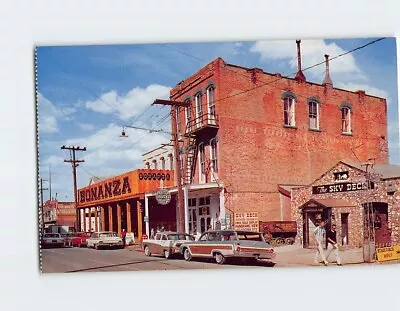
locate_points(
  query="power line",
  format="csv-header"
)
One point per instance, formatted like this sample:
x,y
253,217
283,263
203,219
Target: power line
x,y
288,76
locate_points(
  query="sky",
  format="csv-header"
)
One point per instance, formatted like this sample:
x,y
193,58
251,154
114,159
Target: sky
x,y
86,94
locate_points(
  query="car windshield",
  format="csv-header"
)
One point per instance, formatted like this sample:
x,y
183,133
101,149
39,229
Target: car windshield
x,y
178,236
51,235
107,234
250,236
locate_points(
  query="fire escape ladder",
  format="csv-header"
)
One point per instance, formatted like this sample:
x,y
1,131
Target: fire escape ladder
x,y
191,159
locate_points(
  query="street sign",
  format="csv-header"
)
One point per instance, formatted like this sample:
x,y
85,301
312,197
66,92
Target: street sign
x,y
163,196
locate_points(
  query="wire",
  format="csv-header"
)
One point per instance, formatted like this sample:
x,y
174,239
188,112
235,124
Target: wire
x,y
286,76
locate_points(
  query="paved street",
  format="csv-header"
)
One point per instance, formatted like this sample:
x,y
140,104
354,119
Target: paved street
x,y
86,260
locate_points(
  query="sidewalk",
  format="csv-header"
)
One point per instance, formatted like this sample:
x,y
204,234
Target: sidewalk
x,y
296,255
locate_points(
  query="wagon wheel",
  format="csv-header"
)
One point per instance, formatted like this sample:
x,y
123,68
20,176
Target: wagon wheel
x,y
280,241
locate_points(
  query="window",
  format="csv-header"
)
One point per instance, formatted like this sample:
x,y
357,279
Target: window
x,y
188,113
202,160
155,164
289,111
214,155
178,121
162,163
147,165
211,102
313,115
199,109
346,120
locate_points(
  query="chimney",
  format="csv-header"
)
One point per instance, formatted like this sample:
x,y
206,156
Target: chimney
x,y
299,75
327,80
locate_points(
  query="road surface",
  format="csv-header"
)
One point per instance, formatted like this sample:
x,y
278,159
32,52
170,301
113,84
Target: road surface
x,y
90,260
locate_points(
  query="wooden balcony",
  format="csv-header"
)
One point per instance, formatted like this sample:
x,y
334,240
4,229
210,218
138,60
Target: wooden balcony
x,y
201,125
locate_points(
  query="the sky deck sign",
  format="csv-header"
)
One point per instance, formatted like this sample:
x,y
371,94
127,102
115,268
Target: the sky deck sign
x,y
342,187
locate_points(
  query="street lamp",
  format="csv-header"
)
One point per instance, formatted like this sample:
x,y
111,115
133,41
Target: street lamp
x,y
124,135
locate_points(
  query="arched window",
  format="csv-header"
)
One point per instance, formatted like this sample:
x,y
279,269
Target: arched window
x,y
188,113
162,159
199,108
211,103
346,120
345,109
147,165
313,113
202,159
155,164
289,112
214,155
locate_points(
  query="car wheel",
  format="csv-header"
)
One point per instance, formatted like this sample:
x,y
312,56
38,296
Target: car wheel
x,y
147,251
96,246
187,255
167,254
219,258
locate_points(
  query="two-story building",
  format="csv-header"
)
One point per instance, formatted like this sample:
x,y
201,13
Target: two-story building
x,y
249,136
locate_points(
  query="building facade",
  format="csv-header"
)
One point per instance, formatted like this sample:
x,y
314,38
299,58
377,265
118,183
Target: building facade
x,y
362,200
59,213
248,132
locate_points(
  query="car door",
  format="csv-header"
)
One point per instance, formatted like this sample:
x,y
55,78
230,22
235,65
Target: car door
x,y
155,244
198,248
165,243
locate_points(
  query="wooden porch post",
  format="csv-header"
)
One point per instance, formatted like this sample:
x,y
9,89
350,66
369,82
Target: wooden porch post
x,y
102,220
84,219
110,219
119,218
139,219
96,219
128,217
90,219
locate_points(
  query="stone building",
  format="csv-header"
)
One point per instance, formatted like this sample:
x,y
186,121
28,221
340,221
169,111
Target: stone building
x,y
342,196
248,132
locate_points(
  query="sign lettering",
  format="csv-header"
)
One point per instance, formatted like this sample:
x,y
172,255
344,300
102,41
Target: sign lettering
x,y
388,253
246,221
344,187
110,189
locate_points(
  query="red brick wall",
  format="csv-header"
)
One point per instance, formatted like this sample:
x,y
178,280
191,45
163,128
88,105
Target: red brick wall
x,y
256,153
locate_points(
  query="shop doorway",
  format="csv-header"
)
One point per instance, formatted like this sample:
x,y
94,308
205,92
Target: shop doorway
x,y
344,233
376,227
311,219
205,223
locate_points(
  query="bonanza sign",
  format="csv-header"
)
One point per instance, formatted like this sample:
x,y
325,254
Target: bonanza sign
x,y
124,186
343,187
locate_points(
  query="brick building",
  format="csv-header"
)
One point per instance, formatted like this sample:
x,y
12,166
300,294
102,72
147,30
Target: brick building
x,y
59,213
342,195
255,134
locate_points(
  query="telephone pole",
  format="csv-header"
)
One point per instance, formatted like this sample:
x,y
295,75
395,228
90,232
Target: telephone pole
x,y
180,200
75,164
41,204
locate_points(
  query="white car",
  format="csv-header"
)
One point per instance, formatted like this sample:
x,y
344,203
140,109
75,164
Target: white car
x,y
165,244
52,240
104,240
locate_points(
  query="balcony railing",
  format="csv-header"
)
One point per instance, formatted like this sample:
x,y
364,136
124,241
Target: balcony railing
x,y
206,120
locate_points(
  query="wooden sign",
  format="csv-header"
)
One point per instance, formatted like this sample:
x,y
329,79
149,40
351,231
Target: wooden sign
x,y
342,187
246,221
388,253
124,186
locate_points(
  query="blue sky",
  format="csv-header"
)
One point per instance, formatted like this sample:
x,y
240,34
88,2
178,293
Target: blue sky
x,y
87,93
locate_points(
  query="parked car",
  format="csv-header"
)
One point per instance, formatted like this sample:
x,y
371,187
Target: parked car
x,y
165,244
80,239
104,240
52,240
67,238
223,244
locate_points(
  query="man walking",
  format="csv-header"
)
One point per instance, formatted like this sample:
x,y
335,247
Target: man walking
x,y
332,244
123,235
319,234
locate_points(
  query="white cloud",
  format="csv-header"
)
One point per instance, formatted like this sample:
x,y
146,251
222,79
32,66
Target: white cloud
x,y
49,114
312,52
128,105
86,126
369,90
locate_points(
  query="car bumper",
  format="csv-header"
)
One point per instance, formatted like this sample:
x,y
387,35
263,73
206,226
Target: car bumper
x,y
257,255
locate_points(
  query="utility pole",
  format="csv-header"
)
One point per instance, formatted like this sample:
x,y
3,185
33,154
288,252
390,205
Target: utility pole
x,y
75,164
42,203
180,200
